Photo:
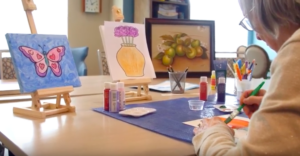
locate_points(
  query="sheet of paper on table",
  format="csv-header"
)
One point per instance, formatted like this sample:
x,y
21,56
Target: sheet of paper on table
x,y
165,86
239,133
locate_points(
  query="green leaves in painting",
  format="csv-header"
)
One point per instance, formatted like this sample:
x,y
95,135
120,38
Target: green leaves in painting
x,y
167,37
159,56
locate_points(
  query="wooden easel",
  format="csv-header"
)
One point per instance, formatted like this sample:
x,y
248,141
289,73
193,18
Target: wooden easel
x,y
37,109
142,82
29,6
138,95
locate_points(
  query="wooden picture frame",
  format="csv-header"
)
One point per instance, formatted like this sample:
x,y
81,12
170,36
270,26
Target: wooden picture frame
x,y
192,41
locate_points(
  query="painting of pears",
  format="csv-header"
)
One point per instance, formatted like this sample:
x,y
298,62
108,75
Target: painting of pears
x,y
181,49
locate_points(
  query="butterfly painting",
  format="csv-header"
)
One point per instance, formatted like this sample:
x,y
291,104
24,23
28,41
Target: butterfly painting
x,y
45,60
42,61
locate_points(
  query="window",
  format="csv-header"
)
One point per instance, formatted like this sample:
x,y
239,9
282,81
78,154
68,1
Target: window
x,y
229,35
51,17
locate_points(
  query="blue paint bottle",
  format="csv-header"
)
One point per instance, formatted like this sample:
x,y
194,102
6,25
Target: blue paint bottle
x,y
221,90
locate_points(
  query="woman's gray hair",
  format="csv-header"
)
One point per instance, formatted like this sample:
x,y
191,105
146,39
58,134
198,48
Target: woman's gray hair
x,y
272,14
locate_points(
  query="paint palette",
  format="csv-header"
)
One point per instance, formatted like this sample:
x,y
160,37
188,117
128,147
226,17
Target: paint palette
x,y
226,108
137,111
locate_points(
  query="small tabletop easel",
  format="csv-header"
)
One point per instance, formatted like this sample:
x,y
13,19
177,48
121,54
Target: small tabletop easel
x,y
37,109
142,82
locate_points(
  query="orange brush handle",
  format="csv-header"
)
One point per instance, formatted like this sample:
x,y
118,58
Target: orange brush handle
x,y
238,72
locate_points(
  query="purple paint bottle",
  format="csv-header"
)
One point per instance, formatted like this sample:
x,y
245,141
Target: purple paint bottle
x,y
121,102
113,98
221,90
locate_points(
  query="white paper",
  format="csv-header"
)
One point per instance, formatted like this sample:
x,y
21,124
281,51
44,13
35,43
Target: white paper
x,y
165,86
136,68
195,123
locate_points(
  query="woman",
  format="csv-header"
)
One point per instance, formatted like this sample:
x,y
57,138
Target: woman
x,y
274,127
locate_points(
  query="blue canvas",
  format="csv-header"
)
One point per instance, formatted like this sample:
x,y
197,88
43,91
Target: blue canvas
x,y
42,61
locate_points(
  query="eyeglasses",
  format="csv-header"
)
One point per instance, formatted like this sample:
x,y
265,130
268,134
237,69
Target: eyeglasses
x,y
245,23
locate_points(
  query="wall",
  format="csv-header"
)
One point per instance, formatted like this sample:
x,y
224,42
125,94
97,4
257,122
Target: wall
x,y
83,28
142,10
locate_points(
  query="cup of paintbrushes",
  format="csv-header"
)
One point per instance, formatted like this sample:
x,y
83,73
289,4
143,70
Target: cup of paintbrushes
x,y
177,82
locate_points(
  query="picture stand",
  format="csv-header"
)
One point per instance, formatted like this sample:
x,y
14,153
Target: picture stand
x,y
37,109
141,82
137,95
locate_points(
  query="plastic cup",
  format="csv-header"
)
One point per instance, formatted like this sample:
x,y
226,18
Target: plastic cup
x,y
241,87
196,104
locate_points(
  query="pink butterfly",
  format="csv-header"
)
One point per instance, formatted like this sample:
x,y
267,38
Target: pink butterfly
x,y
44,60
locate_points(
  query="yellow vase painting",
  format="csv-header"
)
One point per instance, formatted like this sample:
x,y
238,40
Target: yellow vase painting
x,y
130,59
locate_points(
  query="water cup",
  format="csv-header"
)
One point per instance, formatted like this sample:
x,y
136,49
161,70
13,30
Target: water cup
x,y
241,87
196,104
177,82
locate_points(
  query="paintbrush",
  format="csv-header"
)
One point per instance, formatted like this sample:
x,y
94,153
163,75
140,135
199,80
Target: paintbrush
x,y
237,111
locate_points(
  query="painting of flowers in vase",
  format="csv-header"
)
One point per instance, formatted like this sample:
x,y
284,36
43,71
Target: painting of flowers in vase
x,y
126,50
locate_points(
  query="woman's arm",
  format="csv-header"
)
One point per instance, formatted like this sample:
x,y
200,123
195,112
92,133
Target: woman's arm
x,y
274,128
216,140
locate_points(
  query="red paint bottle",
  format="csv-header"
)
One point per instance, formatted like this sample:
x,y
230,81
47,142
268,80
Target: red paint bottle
x,y
203,88
106,96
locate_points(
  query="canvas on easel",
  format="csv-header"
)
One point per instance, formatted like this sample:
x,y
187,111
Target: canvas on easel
x,y
42,61
45,67
127,53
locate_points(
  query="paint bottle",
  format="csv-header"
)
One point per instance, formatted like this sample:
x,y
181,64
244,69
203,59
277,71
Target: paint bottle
x,y
203,88
113,98
106,96
221,90
213,80
121,102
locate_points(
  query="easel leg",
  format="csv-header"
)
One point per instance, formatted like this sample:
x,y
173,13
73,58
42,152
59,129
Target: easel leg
x,y
67,99
58,99
36,103
139,90
31,22
146,89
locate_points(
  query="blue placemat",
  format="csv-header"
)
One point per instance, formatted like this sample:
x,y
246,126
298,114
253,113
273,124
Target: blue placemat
x,y
170,115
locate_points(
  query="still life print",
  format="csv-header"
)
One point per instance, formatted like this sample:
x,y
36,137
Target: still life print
x,y
188,46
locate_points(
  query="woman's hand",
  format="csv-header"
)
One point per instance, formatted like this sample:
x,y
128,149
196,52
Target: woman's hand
x,y
251,102
206,123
